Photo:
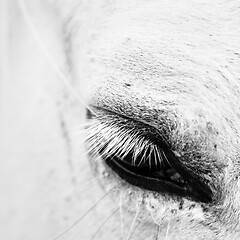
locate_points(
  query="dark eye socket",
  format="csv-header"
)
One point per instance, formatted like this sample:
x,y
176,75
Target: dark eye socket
x,y
140,155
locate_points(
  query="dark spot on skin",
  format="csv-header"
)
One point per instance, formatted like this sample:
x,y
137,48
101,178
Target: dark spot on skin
x,y
173,211
152,207
204,208
192,206
127,84
181,205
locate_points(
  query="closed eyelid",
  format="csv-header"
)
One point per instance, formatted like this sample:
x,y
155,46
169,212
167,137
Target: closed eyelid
x,y
138,151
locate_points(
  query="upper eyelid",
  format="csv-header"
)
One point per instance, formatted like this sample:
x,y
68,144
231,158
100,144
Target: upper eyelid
x,y
113,139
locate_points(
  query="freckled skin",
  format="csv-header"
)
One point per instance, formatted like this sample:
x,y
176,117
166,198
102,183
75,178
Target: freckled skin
x,y
175,66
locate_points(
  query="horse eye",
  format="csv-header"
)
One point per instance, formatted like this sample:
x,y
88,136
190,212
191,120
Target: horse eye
x,y
140,155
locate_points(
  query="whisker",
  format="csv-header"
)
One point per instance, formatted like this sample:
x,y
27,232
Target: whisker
x,y
48,56
167,230
103,223
135,218
158,232
86,185
82,217
154,219
121,215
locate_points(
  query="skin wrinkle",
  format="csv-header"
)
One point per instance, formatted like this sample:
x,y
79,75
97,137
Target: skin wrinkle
x,y
182,78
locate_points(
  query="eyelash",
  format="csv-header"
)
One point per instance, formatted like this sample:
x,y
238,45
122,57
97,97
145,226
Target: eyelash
x,y
110,137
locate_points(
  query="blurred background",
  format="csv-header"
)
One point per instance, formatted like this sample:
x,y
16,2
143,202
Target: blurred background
x,y
39,171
